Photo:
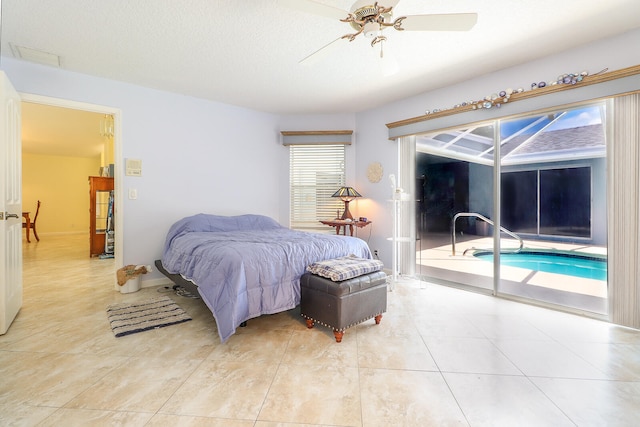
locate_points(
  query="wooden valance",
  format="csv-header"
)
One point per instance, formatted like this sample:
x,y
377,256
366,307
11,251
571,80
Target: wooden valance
x,y
413,126
317,137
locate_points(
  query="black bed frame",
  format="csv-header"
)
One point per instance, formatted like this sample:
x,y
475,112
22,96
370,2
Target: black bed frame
x,y
177,279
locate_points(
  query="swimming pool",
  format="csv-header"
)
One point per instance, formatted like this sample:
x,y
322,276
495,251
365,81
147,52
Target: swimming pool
x,y
569,264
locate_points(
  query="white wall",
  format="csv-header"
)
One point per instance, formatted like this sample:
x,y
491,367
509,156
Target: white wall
x,y
197,155
613,53
203,156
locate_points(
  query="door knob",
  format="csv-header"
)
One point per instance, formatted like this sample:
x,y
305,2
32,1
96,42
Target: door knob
x,y
7,215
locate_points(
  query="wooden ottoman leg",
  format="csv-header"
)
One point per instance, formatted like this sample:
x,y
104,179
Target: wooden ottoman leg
x,y
338,335
378,318
309,323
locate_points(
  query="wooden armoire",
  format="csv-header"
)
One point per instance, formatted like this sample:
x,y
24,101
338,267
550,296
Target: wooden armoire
x,y
100,212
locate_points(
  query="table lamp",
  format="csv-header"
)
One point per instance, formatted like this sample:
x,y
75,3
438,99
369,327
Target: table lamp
x,y
347,194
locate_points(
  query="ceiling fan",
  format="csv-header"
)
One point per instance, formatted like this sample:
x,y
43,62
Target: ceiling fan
x,y
371,18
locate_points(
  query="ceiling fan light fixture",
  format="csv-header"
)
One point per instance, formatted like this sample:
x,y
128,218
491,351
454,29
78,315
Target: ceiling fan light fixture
x,y
371,17
371,29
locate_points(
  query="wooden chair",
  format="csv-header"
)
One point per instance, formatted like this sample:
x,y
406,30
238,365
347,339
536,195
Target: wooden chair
x,y
32,224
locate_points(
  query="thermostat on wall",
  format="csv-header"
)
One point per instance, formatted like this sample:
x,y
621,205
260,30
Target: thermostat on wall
x,y
133,167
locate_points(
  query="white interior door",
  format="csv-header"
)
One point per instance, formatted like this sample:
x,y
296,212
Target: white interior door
x,y
10,204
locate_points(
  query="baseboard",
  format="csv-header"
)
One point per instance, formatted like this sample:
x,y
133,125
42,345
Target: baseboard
x,y
152,283
61,233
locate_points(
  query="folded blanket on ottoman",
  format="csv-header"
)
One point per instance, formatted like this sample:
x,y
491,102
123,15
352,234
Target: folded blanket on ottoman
x,y
343,268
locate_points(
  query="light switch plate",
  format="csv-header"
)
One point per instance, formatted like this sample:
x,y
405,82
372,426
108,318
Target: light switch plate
x,y
133,194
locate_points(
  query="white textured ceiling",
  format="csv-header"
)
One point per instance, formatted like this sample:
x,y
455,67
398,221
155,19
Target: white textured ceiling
x,y
246,52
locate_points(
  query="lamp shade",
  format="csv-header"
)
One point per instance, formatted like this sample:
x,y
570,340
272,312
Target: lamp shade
x,y
346,193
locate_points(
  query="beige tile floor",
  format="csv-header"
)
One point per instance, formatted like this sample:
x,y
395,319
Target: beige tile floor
x,y
440,357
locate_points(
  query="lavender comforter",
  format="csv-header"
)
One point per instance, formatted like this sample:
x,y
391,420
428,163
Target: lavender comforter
x,y
248,265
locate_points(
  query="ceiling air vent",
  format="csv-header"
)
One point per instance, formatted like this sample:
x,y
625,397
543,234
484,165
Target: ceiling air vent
x,y
35,55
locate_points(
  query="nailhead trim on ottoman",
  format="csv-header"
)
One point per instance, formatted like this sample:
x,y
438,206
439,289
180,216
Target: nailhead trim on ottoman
x,y
340,305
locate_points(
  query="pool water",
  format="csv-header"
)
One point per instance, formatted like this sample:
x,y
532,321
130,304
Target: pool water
x,y
559,263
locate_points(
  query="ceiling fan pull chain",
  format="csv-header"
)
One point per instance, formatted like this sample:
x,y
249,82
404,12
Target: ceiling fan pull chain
x,y
379,39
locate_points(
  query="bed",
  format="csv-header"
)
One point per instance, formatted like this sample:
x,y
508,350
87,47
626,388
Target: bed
x,y
248,265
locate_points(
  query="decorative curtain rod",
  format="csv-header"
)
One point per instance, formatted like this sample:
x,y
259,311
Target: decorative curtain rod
x,y
539,90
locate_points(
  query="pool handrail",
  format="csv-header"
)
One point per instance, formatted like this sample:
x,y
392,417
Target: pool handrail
x,y
483,218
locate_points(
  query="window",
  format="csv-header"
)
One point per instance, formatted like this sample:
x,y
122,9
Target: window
x,y
551,202
315,173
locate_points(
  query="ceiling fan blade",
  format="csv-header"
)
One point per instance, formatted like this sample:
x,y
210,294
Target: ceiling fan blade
x,y
362,3
315,8
440,22
320,53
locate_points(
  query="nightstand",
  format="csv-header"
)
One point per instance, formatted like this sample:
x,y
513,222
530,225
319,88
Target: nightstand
x,y
341,223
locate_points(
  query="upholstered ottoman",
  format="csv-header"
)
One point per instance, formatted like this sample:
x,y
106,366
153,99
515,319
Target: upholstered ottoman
x,y
342,304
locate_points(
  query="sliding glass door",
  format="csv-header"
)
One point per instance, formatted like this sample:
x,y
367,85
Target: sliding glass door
x,y
455,186
550,192
553,195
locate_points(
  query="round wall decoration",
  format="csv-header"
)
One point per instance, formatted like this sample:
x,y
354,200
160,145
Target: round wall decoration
x,y
374,172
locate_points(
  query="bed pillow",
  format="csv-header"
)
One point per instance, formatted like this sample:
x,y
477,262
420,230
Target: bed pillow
x,y
343,268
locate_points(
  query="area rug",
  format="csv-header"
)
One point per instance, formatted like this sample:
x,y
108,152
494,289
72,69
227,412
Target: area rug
x,y
139,316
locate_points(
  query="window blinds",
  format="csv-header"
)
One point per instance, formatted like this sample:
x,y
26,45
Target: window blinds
x,y
315,173
623,188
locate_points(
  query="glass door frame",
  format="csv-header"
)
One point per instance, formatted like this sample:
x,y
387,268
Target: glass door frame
x,y
497,191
